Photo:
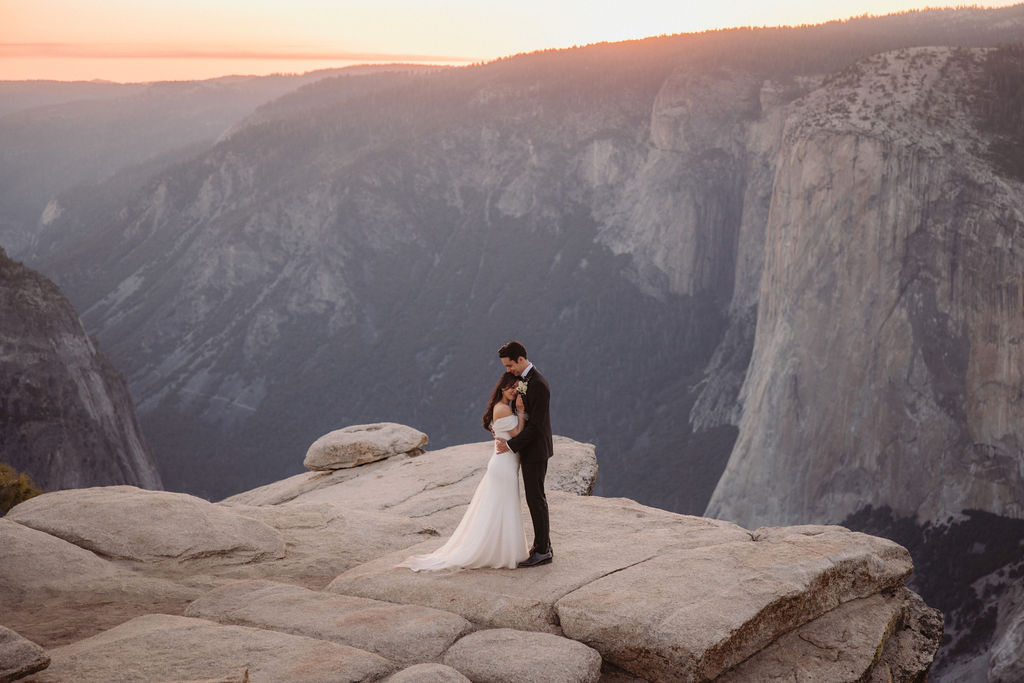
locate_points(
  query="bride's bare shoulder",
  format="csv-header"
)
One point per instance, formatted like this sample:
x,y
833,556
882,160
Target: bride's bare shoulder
x,y
501,410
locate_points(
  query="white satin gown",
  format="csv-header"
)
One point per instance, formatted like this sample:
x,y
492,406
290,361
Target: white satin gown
x,y
491,531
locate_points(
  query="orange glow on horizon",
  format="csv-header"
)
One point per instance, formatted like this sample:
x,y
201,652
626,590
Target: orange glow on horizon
x,y
125,40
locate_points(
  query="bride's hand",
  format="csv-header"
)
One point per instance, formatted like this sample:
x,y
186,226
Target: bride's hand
x,y
519,403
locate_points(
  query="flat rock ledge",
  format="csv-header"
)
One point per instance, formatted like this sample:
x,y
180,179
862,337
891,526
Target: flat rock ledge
x,y
360,444
161,647
298,581
406,634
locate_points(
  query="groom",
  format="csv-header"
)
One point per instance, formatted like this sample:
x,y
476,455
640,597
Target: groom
x,y
533,444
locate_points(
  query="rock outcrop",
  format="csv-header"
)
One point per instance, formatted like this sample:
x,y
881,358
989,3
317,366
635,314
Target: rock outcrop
x,y
407,634
128,523
504,655
66,417
360,444
162,647
887,362
635,593
19,657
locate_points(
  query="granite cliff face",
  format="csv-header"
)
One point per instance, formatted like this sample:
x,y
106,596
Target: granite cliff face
x,y
882,388
66,417
887,362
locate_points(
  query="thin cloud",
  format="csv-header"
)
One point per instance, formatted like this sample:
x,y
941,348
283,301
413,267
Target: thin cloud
x,y
114,51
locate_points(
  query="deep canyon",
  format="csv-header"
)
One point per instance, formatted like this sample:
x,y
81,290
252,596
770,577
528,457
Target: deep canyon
x,y
775,276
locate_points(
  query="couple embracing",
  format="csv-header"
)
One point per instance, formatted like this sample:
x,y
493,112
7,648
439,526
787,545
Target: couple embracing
x,y
491,531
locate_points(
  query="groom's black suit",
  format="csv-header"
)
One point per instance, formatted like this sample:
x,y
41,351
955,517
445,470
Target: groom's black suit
x,y
534,446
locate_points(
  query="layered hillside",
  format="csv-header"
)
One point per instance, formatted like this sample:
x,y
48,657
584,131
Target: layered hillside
x,y
57,136
365,244
66,417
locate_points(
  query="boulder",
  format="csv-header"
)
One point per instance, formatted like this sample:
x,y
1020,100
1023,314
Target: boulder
x,y
509,656
573,467
360,444
592,537
405,634
34,563
149,526
694,613
162,647
428,673
19,656
53,591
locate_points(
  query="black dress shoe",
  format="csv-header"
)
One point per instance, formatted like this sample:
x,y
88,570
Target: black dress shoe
x,y
536,558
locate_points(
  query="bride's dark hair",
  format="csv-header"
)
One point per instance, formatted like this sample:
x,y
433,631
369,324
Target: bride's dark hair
x,y
507,380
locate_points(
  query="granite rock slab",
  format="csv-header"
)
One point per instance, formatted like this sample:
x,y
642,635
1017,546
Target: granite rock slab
x,y
130,523
406,634
695,613
172,648
510,656
19,656
592,537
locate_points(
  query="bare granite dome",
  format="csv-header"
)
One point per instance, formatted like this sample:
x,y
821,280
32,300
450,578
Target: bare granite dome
x,y
297,581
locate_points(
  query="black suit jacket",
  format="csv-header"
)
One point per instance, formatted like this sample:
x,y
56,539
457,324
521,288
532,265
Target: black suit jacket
x,y
534,443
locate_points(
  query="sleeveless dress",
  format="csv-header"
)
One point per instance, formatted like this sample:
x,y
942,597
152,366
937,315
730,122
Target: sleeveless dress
x,y
491,531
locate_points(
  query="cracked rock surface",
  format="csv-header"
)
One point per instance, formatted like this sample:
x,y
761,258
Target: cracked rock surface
x,y
297,581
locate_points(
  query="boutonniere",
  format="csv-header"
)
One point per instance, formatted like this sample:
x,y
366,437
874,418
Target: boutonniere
x,y
521,387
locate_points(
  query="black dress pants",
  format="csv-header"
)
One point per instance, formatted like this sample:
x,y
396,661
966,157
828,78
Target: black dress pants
x,y
533,483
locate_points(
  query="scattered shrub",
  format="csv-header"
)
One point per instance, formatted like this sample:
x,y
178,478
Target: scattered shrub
x,y
15,487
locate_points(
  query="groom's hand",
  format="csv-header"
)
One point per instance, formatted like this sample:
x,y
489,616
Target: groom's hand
x,y
502,445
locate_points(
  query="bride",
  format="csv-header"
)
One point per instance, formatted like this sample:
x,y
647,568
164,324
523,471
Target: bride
x,y
491,531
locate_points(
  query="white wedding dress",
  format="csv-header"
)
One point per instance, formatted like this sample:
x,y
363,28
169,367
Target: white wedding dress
x,y
491,531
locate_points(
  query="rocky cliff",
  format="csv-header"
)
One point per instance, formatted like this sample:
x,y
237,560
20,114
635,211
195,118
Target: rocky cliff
x,y
888,360
66,417
611,205
882,388
297,581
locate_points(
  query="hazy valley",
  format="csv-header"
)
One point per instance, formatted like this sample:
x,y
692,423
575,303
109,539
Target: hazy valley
x,y
774,276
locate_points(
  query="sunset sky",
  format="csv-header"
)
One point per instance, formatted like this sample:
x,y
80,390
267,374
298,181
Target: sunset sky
x,y
145,40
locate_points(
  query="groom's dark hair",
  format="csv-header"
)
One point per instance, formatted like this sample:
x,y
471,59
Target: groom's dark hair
x,y
512,350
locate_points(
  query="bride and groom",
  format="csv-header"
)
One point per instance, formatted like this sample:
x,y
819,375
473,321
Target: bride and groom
x,y
491,531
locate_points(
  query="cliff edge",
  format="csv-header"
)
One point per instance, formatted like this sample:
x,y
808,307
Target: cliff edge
x,y
296,581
